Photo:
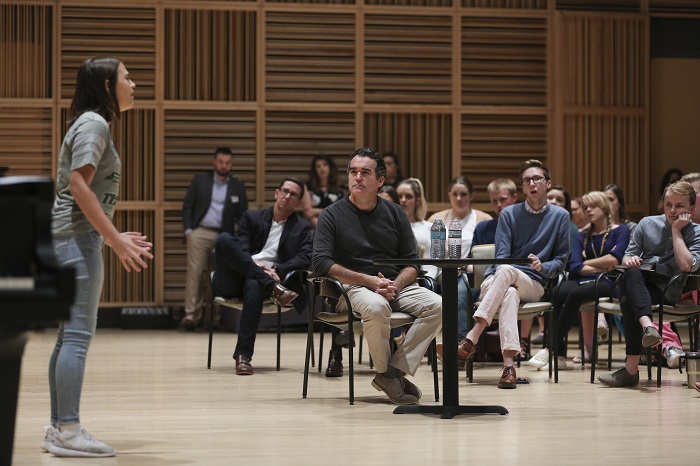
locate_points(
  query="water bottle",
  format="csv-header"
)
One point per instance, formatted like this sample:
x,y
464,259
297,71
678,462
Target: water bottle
x,y
454,240
437,239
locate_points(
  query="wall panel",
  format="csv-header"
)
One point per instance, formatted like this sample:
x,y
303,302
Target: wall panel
x,y
25,141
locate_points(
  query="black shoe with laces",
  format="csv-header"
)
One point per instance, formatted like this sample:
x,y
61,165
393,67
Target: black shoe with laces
x,y
620,378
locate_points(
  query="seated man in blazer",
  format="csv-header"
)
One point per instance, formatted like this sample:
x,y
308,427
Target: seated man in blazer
x,y
269,243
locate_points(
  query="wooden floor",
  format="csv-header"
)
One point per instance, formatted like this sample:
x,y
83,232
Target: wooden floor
x,y
149,394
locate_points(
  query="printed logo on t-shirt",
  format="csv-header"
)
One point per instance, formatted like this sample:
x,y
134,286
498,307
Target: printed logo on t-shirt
x,y
110,198
114,177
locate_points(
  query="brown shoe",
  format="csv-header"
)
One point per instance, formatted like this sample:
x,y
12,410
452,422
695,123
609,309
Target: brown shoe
x,y
508,379
243,366
282,296
465,350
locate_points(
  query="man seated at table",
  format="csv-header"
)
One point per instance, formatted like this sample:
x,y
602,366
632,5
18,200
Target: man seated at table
x,y
269,244
671,241
350,234
533,229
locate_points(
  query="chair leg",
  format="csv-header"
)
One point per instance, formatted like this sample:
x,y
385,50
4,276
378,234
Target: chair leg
x,y
320,346
359,356
351,378
211,334
594,346
432,354
279,337
309,350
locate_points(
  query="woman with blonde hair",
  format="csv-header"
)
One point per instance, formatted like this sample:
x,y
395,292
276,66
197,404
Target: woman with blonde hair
x,y
597,249
412,200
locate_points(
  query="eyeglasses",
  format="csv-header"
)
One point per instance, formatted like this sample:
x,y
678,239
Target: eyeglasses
x,y
285,192
534,179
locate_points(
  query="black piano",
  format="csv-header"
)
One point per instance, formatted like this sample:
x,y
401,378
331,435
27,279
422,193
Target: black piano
x,y
34,292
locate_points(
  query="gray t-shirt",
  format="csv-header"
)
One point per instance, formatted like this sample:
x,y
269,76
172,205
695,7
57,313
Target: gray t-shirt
x,y
88,141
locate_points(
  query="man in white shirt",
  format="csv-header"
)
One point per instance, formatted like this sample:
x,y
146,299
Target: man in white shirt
x,y
269,244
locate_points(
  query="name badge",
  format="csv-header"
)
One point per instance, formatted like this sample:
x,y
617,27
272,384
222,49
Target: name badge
x,y
234,199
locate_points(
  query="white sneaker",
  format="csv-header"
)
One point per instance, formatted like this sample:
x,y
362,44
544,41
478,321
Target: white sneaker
x,y
671,353
51,431
562,365
539,359
79,443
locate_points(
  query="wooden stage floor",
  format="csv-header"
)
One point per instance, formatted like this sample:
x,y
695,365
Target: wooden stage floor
x,y
149,394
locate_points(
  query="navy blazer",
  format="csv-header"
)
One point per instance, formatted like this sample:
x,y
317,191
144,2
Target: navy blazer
x,y
295,247
198,199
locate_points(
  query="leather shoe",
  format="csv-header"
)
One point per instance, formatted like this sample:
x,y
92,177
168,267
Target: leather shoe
x,y
335,365
465,350
186,325
243,366
508,379
282,296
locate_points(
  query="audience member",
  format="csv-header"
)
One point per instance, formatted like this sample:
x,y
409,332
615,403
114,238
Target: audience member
x,y
578,216
393,170
412,200
672,243
533,229
269,244
322,187
389,193
617,202
502,193
350,235
596,250
671,176
559,196
694,180
214,202
461,193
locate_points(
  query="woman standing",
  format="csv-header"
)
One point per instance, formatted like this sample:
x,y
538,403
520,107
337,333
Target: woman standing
x,y
322,187
461,192
87,189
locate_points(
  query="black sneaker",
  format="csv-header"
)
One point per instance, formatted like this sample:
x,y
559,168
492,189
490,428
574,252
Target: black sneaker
x,y
651,337
620,378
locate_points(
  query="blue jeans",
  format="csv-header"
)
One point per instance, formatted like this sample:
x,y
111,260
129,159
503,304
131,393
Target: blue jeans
x,y
82,251
463,288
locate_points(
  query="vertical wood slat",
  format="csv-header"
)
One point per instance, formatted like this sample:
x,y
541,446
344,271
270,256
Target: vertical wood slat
x,y
419,140
25,51
208,55
25,141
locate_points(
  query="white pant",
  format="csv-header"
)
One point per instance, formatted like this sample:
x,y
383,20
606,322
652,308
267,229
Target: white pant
x,y
502,293
375,312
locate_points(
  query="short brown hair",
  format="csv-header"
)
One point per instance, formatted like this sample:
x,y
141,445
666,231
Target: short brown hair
x,y
502,183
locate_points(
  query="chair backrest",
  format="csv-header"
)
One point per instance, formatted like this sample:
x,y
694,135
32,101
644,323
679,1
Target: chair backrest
x,y
482,251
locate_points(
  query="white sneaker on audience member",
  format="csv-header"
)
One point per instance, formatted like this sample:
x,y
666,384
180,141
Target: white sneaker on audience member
x,y
561,366
671,353
51,431
80,444
539,359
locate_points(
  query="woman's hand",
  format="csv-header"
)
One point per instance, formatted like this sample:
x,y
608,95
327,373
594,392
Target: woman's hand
x,y
130,246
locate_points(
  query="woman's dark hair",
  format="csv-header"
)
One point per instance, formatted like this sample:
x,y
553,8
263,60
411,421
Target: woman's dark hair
x,y
315,181
90,91
671,176
398,177
621,213
567,196
391,191
463,180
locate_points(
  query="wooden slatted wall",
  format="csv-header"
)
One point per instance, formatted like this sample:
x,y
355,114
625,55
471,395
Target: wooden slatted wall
x,y
452,86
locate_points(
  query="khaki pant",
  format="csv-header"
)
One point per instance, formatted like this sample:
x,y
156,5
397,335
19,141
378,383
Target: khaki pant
x,y
375,312
200,244
502,293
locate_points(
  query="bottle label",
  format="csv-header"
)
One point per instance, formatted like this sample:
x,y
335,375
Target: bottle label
x,y
437,235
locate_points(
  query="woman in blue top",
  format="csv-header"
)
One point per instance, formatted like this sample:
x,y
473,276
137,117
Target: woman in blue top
x,y
87,189
597,249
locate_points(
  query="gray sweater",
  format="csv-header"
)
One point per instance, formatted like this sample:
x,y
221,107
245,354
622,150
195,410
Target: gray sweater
x,y
353,238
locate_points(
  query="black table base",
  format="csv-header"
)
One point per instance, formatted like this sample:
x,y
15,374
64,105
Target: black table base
x,y
448,412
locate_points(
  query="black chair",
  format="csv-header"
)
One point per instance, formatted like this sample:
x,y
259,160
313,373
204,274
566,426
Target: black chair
x,y
682,310
332,291
269,307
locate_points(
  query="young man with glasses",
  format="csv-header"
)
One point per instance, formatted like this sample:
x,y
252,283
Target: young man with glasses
x,y
533,229
269,244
